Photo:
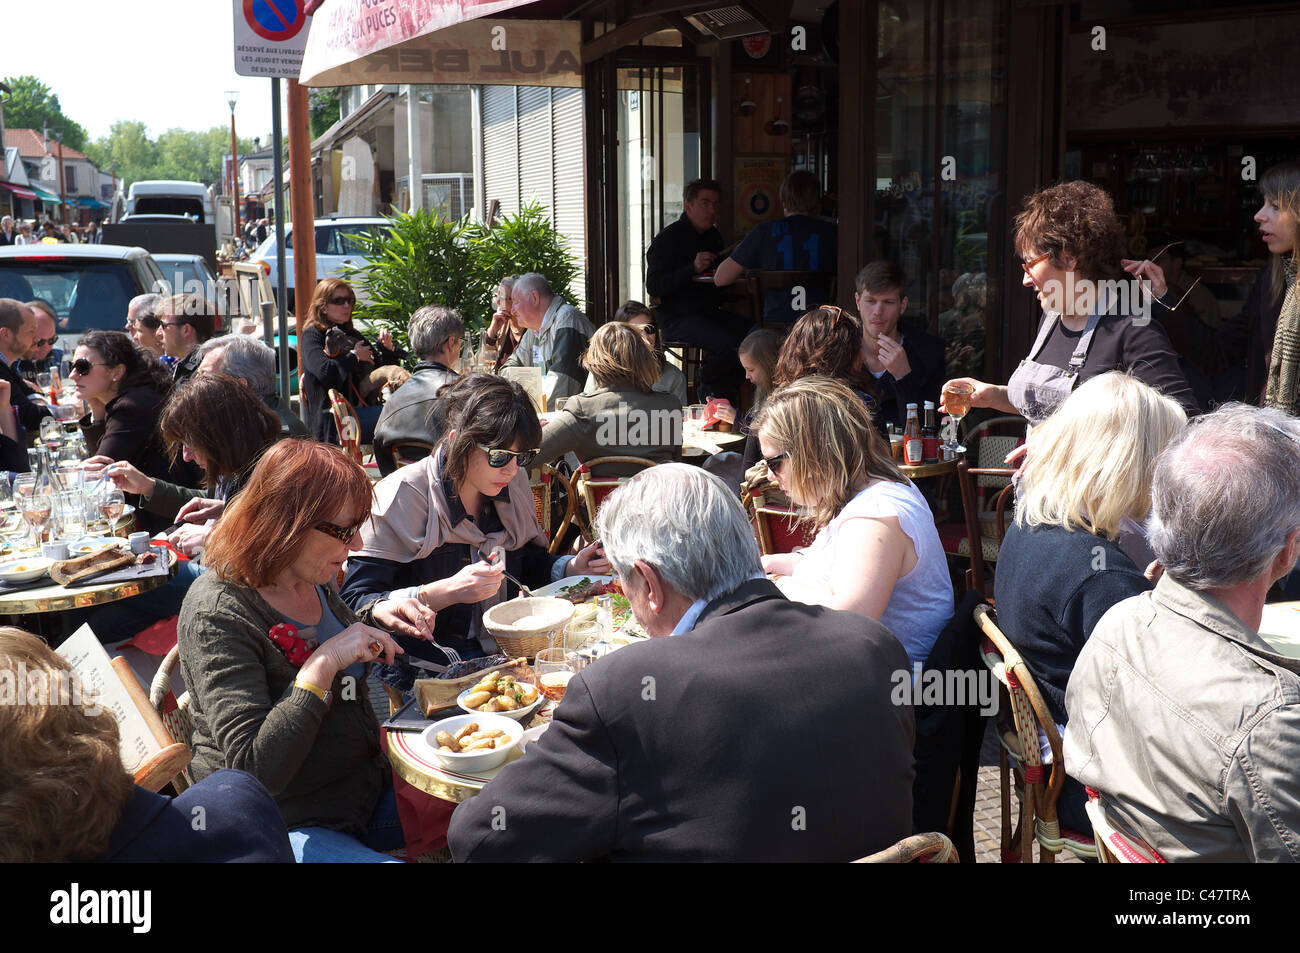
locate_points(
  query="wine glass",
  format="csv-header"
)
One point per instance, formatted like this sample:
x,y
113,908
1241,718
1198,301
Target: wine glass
x,y
35,508
111,504
7,505
43,381
553,670
956,399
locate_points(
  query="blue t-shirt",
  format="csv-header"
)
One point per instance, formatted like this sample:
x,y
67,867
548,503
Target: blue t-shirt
x,y
795,243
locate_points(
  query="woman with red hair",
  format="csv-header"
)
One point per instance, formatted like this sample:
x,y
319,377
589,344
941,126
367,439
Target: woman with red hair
x,y
275,661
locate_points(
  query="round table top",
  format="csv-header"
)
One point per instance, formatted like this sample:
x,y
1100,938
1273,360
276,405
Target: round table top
x,y
928,469
56,598
406,754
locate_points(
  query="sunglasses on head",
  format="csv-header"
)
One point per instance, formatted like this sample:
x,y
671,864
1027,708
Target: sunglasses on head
x,y
83,366
498,458
343,534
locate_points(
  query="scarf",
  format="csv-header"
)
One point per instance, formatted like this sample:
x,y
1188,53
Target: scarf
x,y
1284,365
411,518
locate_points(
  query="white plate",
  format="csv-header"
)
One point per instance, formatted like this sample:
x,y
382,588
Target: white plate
x,y
25,569
519,714
628,633
91,544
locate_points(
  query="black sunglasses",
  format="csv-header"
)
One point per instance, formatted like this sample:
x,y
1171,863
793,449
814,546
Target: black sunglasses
x,y
83,366
42,342
773,462
343,534
649,330
343,300
499,458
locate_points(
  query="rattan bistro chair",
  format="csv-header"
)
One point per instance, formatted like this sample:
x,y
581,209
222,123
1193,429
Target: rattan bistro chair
x,y
1022,713
1114,847
778,529
347,425
592,489
934,848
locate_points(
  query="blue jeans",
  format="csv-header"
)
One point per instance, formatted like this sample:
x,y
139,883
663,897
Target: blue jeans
x,y
368,417
320,845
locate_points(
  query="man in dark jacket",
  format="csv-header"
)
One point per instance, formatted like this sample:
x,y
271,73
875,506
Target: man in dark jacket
x,y
187,321
688,307
410,414
249,360
747,728
17,334
906,361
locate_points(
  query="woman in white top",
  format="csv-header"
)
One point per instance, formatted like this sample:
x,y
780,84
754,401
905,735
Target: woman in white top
x,y
876,552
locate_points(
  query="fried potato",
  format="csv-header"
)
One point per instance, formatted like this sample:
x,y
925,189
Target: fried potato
x,y
445,740
506,703
466,730
493,704
528,695
476,699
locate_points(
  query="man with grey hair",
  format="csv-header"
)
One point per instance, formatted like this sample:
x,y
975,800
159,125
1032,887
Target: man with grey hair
x,y
746,728
410,414
249,360
1182,717
554,339
8,235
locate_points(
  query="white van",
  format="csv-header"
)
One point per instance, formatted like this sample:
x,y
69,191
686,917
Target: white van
x,y
166,197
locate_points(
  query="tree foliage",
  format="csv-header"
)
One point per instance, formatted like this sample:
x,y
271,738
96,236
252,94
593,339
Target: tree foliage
x,y
323,108
33,105
176,154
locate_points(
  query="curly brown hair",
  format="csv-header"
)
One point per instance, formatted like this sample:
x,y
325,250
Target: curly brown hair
x,y
1073,220
828,342
63,787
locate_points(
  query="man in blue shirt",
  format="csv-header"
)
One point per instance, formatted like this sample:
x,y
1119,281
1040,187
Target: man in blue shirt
x,y
798,242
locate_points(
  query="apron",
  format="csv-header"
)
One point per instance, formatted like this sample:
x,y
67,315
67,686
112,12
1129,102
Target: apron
x,y
1036,390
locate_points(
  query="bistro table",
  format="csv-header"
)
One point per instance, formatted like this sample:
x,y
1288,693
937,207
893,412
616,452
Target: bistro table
x,y
1280,628
928,469
410,760
57,598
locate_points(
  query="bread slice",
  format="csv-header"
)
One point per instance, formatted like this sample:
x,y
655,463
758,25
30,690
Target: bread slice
x,y
104,560
438,694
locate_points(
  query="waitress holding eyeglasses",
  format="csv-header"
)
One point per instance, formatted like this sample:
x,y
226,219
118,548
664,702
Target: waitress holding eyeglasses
x,y
1094,318
435,524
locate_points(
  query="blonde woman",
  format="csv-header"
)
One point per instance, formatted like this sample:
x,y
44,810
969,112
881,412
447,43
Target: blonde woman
x,y
1060,568
876,552
624,415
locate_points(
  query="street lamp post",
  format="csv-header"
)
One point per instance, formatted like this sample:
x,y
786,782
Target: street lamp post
x,y
231,97
63,181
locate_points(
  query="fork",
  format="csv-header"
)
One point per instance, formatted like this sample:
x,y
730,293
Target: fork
x,y
452,655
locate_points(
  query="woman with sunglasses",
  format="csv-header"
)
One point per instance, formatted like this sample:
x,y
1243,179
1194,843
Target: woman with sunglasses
x,y
275,662
125,390
877,552
1094,320
338,362
436,522
671,380
623,415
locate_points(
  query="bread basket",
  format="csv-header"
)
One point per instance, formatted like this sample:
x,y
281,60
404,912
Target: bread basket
x,y
526,626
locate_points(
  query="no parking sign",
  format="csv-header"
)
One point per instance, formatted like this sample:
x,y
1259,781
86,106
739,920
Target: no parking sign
x,y
270,36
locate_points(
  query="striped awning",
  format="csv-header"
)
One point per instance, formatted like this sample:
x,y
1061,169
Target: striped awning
x,y
18,190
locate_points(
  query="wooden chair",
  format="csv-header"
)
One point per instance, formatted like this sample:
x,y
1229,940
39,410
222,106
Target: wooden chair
x,y
974,541
760,283
1022,714
592,490
1114,847
544,480
171,731
348,427
934,848
778,529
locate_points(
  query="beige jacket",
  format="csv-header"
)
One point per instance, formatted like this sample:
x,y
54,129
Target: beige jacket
x,y
1189,725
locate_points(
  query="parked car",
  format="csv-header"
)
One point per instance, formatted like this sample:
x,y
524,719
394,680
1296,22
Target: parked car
x,y
334,253
181,270
89,286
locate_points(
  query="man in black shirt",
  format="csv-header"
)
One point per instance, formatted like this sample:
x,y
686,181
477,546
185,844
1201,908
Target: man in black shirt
x,y
687,309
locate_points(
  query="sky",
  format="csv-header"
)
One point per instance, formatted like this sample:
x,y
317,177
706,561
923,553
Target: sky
x,y
166,65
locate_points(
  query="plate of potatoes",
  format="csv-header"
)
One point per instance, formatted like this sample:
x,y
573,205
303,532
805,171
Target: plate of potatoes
x,y
497,694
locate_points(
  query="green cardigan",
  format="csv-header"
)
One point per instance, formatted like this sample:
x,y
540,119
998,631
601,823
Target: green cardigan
x,y
323,765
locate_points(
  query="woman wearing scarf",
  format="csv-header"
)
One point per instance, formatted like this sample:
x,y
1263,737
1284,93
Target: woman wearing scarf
x,y
435,523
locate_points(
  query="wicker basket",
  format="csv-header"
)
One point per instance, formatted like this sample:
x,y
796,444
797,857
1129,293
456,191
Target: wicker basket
x,y
550,618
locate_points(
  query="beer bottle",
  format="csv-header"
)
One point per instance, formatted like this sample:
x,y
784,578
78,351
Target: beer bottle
x,y
913,445
930,435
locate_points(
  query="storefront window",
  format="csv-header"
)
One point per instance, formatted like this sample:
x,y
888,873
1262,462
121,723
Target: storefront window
x,y
659,152
940,161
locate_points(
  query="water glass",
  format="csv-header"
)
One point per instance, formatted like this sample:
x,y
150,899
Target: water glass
x,y
72,514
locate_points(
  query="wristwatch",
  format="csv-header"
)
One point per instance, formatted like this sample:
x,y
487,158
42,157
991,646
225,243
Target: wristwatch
x,y
324,694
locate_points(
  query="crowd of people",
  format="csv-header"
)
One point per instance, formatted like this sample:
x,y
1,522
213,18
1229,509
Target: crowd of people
x,y
47,231
1148,531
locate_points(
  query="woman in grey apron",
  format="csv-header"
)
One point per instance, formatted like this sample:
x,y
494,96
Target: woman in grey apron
x,y
1086,328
